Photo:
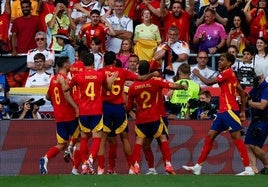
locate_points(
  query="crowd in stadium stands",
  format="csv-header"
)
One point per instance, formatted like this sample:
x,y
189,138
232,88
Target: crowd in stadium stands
x,y
165,33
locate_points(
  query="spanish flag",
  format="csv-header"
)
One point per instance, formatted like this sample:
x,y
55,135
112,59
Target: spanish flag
x,y
262,18
145,49
130,8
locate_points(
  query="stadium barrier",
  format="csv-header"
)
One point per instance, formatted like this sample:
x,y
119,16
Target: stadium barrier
x,y
23,142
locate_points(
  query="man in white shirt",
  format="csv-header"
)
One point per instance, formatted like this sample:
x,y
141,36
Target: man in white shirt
x,y
41,41
202,60
174,52
122,25
40,78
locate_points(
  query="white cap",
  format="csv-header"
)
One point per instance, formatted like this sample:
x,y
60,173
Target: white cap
x,y
62,36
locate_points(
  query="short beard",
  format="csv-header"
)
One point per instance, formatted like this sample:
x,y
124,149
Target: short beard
x,y
177,16
26,13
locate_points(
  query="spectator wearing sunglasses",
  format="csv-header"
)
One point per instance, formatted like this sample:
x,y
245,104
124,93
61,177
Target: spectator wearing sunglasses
x,y
41,41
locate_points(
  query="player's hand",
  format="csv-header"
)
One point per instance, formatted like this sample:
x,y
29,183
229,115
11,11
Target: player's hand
x,y
60,79
111,78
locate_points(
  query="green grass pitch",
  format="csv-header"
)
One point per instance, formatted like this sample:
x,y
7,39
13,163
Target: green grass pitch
x,y
134,181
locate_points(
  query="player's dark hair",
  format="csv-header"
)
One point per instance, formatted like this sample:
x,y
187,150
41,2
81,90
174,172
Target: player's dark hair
x,y
88,59
40,56
82,49
60,61
118,63
144,67
109,58
229,57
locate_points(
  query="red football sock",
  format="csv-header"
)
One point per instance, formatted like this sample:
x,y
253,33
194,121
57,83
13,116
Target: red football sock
x,y
72,141
149,156
77,158
242,151
205,151
95,146
52,152
101,161
136,153
83,149
165,151
112,156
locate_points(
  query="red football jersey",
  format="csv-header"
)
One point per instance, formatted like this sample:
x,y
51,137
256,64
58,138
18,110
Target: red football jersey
x,y
26,28
90,83
228,82
77,67
115,95
146,96
91,31
63,111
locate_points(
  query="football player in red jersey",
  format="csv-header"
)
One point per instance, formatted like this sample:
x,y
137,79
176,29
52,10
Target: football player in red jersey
x,y
65,111
149,122
90,83
114,113
228,116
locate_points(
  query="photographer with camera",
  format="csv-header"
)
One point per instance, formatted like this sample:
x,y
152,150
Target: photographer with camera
x,y
204,108
258,129
4,97
28,109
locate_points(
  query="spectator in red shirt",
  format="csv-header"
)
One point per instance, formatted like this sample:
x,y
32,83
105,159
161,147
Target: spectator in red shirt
x,y
45,8
177,17
24,29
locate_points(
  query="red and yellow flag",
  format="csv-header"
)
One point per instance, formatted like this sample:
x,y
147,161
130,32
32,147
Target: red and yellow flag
x,y
130,8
